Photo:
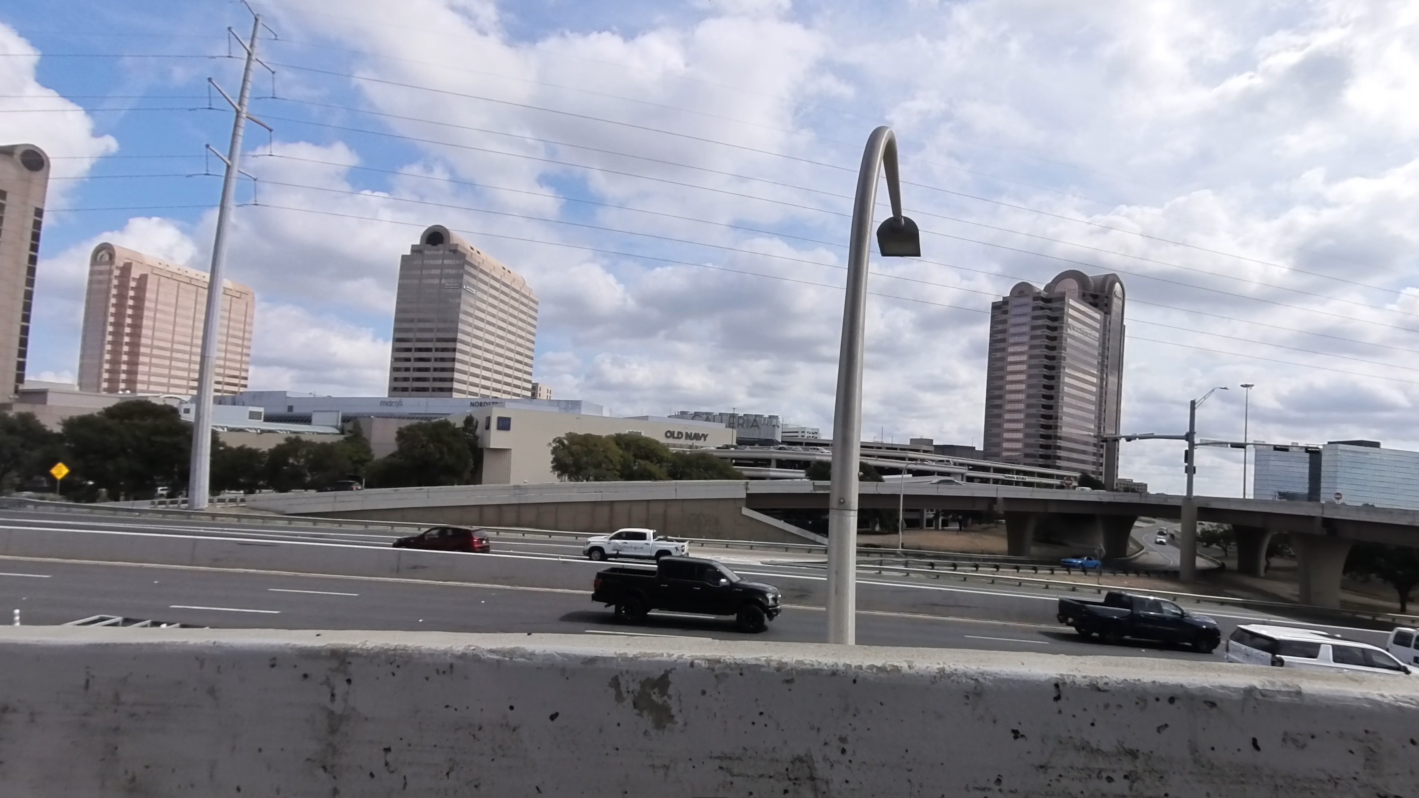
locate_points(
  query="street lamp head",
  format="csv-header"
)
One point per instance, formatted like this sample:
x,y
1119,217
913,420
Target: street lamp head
x,y
1248,385
898,237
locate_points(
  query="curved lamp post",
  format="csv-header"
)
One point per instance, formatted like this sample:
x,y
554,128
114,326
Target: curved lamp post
x,y
897,237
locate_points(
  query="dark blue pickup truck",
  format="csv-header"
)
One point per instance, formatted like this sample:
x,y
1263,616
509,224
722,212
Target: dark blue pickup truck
x,y
1122,615
687,584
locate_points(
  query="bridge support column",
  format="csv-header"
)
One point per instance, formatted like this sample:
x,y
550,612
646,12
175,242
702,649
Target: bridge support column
x,y
1020,533
1251,549
1320,562
1116,529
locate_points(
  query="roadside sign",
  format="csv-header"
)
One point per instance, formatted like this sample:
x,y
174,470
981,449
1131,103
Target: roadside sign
x,y
1338,496
60,471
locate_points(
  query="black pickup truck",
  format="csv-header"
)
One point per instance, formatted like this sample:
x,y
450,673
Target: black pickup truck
x,y
1122,615
687,584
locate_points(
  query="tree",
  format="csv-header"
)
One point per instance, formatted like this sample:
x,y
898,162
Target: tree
x,y
1396,566
702,465
239,468
822,471
470,438
26,448
629,457
129,449
1087,480
426,453
1218,536
583,457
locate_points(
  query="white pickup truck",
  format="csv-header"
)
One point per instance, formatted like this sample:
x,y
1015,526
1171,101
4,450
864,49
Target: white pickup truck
x,y
633,542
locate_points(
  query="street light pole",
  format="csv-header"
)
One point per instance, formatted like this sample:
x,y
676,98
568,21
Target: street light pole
x,y
897,237
1246,434
1187,532
901,508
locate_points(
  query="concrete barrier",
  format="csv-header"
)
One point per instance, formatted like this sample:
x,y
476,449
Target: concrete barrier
x,y
101,712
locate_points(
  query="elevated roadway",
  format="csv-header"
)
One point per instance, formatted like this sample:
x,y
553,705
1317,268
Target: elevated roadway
x,y
1321,533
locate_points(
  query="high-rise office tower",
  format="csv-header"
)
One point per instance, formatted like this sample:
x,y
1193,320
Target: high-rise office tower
x,y
464,324
24,181
143,323
1054,379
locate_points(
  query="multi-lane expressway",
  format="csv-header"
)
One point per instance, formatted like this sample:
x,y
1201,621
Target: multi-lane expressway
x,y
895,611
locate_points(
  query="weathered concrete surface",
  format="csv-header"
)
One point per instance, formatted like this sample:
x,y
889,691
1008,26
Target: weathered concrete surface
x,y
103,712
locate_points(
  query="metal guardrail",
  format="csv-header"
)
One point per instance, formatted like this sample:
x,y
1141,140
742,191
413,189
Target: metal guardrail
x,y
1278,607
118,620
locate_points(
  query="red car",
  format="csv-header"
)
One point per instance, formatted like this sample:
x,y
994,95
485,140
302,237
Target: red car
x,y
447,538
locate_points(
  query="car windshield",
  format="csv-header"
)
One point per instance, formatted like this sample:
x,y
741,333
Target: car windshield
x,y
728,574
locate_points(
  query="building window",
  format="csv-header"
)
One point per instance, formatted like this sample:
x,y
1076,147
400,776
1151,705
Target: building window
x,y
504,423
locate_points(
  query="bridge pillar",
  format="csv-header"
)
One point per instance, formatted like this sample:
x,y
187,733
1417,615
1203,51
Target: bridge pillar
x,y
1251,549
1320,562
1116,529
1020,532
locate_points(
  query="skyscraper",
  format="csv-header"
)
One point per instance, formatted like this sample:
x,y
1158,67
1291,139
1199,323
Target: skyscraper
x,y
24,181
1054,380
464,324
143,327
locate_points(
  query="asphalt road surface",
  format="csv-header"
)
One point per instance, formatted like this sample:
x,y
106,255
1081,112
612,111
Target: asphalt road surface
x,y
942,613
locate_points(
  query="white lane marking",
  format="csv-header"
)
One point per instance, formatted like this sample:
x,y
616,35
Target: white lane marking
x,y
312,592
1008,639
28,576
221,609
637,634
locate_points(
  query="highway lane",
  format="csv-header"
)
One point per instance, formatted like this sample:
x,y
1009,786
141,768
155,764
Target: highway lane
x,y
53,592
946,596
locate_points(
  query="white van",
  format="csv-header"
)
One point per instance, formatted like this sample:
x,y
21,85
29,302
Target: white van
x,y
1404,645
1288,647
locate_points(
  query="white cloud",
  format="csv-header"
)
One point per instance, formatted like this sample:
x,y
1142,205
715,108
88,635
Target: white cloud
x,y
1279,133
63,130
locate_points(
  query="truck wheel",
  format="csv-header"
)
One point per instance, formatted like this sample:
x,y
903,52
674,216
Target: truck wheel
x,y
632,609
1111,636
751,618
1084,633
661,554
596,554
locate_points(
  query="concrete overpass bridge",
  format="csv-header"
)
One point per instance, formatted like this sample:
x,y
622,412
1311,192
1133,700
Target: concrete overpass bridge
x,y
1321,534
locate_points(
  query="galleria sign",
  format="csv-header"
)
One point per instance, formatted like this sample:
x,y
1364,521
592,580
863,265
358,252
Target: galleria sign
x,y
680,435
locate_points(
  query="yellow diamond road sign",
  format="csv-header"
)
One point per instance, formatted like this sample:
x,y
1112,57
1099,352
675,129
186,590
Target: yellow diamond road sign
x,y
59,471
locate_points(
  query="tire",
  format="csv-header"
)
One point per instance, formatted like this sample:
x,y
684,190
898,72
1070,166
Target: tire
x,y
1111,636
751,618
1084,633
1203,646
631,610
596,554
659,555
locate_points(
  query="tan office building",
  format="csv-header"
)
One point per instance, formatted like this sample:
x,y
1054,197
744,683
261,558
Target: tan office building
x,y
143,323
464,324
24,181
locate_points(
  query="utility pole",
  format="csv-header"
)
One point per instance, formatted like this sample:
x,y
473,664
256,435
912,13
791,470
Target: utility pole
x,y
901,508
1187,532
1246,434
200,471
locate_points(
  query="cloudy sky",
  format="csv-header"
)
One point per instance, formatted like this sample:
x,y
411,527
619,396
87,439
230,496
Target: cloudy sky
x,y
673,179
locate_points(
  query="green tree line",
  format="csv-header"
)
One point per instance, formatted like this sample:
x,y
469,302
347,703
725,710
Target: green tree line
x,y
626,456
133,450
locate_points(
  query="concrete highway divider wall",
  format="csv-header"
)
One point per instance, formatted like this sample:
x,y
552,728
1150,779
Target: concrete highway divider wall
x,y
102,712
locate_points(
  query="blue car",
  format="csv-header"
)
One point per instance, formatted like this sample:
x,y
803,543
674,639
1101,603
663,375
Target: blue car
x,y
1083,562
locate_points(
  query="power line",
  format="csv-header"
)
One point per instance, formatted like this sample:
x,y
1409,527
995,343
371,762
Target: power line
x,y
753,253
49,211
523,239
781,234
784,203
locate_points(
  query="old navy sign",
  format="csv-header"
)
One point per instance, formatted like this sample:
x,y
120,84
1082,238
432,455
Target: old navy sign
x,y
680,435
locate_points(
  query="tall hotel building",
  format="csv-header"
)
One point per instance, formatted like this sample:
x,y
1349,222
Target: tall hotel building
x,y
1054,381
464,324
24,181
143,323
